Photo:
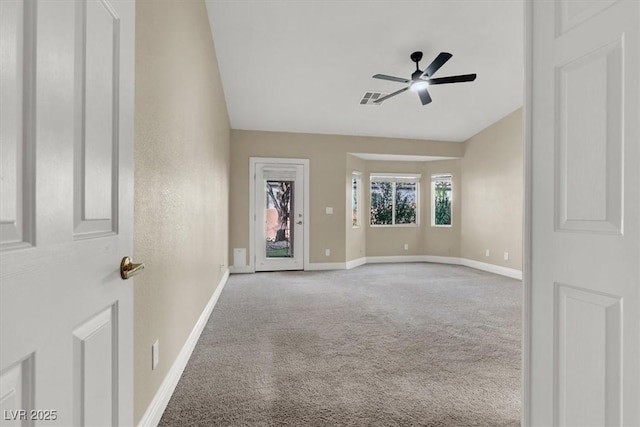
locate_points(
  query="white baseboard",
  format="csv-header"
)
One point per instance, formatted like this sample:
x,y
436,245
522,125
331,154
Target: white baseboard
x,y
156,408
492,268
392,259
443,260
240,269
355,263
316,266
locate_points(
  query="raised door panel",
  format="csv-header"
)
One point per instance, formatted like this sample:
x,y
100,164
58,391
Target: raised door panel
x,y
96,147
95,369
588,357
16,124
16,395
589,172
571,13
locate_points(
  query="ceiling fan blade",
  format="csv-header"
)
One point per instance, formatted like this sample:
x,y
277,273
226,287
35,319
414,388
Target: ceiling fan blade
x,y
452,79
425,98
379,100
436,64
393,79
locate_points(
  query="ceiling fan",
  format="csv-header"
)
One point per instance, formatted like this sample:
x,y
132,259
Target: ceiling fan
x,y
421,80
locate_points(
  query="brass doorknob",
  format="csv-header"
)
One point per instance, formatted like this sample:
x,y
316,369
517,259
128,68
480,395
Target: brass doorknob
x,y
129,269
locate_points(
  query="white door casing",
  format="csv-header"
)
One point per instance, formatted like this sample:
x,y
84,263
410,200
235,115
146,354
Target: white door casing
x,y
66,217
290,170
584,224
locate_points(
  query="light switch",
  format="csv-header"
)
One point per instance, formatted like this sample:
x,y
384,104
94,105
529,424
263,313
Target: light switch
x,y
155,354
328,210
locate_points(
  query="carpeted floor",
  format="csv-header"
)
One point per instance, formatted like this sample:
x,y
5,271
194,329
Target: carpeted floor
x,y
379,345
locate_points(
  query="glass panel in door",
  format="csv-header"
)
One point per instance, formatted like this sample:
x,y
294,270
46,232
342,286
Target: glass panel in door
x,y
279,230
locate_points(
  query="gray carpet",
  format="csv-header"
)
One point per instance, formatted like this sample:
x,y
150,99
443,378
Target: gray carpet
x,y
379,345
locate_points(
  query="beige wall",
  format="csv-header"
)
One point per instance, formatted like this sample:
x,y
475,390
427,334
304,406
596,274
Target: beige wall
x,y
327,156
181,182
492,184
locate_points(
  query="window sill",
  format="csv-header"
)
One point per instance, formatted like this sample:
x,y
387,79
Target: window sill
x,y
441,226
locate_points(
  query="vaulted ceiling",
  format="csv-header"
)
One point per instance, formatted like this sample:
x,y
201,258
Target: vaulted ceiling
x,y
304,65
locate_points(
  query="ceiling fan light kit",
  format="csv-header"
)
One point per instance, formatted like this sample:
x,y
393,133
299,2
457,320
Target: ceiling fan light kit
x,y
421,80
416,86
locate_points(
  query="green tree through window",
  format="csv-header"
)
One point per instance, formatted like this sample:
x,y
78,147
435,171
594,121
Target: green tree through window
x,y
394,202
441,193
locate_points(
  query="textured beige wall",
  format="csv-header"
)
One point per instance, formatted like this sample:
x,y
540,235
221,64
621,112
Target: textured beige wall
x,y
356,236
181,182
327,156
492,193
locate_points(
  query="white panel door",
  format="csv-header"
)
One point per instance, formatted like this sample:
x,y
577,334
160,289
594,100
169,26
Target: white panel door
x,y
279,216
66,212
585,218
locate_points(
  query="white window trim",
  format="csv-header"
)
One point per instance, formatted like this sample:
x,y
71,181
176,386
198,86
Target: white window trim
x,y
434,178
357,175
413,178
395,177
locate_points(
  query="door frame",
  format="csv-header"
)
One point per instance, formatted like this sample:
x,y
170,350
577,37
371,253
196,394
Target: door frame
x,y
527,154
252,208
525,414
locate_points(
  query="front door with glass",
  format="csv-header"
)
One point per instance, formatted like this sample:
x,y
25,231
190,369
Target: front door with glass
x,y
279,231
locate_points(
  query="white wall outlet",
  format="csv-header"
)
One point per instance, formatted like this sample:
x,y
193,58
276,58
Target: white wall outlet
x,y
155,354
506,256
328,210
487,253
406,246
327,252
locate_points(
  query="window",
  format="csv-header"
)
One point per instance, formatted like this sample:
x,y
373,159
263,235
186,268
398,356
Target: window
x,y
394,199
356,183
441,200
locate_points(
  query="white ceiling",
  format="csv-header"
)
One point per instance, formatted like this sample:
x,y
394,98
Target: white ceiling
x,y
304,65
